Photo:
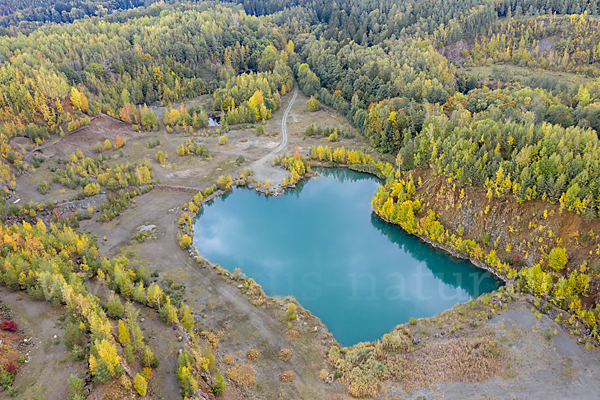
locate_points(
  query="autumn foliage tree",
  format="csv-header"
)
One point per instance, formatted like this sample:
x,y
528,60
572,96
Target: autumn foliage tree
x,y
119,142
313,104
79,100
557,259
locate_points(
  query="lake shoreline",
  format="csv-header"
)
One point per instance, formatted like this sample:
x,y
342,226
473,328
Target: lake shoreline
x,y
196,254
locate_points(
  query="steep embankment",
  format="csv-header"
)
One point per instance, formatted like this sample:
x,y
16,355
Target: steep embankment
x,y
520,234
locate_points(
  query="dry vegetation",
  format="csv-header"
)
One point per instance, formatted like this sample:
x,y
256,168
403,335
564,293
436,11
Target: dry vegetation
x,y
457,360
292,334
242,374
252,355
323,374
285,354
287,376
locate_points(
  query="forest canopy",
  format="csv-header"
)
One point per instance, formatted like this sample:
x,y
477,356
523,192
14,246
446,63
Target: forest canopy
x,y
388,67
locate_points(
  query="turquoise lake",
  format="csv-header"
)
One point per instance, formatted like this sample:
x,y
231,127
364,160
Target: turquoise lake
x,y
322,244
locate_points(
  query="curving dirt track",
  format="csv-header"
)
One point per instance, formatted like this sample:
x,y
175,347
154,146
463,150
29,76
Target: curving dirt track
x,y
284,140
262,167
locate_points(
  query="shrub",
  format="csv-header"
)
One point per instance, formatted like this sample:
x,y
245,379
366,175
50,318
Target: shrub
x,y
161,157
185,241
151,144
224,182
252,355
323,374
285,354
291,310
239,160
223,140
260,130
558,258
77,353
287,376
125,382
73,335
11,326
115,308
140,385
485,300
76,389
333,137
11,368
141,237
119,142
292,334
486,238
313,104
395,342
219,387
187,381
6,378
207,352
187,320
92,189
36,161
44,187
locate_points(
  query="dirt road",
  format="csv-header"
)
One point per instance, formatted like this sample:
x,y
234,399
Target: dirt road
x,y
284,140
262,167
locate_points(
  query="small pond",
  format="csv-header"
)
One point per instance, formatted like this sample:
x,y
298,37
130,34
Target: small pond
x,y
322,244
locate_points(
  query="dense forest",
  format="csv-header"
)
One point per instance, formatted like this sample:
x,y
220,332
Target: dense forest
x,y
380,64
24,13
119,64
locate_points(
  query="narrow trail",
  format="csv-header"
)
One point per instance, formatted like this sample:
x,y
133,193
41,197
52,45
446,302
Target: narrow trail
x,y
262,167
